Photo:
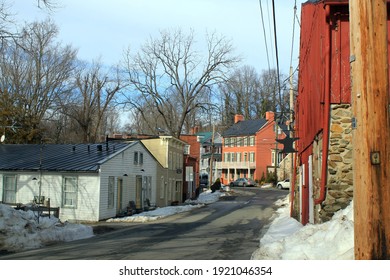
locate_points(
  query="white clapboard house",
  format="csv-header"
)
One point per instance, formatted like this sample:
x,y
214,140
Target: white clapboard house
x,y
88,182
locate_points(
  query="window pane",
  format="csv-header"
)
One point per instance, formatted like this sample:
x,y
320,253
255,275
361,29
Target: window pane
x,y
141,158
70,191
136,158
9,184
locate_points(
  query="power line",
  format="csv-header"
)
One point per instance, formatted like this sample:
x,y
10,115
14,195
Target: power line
x,y
276,51
265,35
293,34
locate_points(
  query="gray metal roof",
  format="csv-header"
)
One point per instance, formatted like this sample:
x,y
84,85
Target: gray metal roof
x,y
57,157
244,128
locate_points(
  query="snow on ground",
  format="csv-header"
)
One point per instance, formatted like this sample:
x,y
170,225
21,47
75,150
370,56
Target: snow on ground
x,y
285,238
20,230
203,199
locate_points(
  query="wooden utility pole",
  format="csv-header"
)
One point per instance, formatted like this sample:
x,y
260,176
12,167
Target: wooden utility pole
x,y
212,158
370,102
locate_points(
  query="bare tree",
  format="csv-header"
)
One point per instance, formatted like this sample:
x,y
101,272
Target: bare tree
x,y
251,94
92,99
172,75
35,71
240,92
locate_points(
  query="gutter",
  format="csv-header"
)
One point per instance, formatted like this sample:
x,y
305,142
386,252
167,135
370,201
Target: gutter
x,y
325,137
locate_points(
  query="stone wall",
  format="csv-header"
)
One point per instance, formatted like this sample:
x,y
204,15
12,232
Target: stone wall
x,y
340,175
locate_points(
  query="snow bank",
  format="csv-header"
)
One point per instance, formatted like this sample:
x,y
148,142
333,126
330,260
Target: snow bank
x,y
287,239
155,214
20,230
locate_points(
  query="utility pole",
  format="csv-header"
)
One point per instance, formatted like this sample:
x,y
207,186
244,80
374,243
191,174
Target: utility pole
x,y
371,128
212,158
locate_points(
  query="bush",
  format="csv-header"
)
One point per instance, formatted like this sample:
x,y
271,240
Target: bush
x,y
271,178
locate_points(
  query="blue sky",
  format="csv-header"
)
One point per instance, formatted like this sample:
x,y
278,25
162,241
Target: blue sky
x,y
103,29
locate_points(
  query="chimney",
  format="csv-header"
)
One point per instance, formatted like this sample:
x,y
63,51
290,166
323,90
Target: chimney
x,y
194,130
270,116
238,118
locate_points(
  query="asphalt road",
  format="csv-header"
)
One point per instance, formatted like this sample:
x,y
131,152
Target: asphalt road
x,y
229,229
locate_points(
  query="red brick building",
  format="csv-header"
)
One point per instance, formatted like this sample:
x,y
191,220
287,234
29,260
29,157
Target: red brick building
x,y
249,148
191,165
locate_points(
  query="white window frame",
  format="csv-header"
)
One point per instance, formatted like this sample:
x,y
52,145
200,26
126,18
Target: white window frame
x,y
9,190
238,157
252,157
136,160
252,140
67,194
227,142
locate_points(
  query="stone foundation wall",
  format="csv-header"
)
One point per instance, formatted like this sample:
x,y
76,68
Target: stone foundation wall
x,y
340,175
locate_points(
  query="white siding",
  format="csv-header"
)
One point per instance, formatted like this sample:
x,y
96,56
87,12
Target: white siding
x,y
92,195
51,188
117,166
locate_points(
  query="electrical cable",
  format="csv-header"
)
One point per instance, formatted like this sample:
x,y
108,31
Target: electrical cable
x,y
265,35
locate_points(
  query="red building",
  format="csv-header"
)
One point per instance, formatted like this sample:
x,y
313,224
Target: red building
x,y
324,178
191,165
248,148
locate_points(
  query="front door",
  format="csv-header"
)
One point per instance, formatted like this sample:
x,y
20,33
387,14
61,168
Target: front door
x,y
119,195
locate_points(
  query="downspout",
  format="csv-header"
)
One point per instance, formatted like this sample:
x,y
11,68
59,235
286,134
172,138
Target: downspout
x,y
294,160
325,137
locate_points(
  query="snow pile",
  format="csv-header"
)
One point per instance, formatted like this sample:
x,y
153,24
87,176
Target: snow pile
x,y
20,230
154,214
206,197
287,239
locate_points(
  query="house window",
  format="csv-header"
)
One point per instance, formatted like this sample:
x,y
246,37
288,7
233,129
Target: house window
x,y
141,158
9,188
233,142
239,141
227,142
252,140
233,157
227,157
111,192
245,141
187,149
245,157
69,192
279,157
135,158
138,158
238,157
252,157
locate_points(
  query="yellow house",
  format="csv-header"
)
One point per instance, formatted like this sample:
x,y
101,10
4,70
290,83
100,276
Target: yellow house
x,y
168,151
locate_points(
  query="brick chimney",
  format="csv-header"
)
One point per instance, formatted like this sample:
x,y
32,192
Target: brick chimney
x,y
238,118
270,116
194,130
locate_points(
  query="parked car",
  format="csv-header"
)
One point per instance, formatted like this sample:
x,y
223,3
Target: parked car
x,y
204,180
285,184
243,182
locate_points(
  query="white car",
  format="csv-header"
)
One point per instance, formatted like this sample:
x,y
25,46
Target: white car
x,y
285,184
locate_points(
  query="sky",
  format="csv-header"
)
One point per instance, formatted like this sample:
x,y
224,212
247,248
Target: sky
x,y
104,29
